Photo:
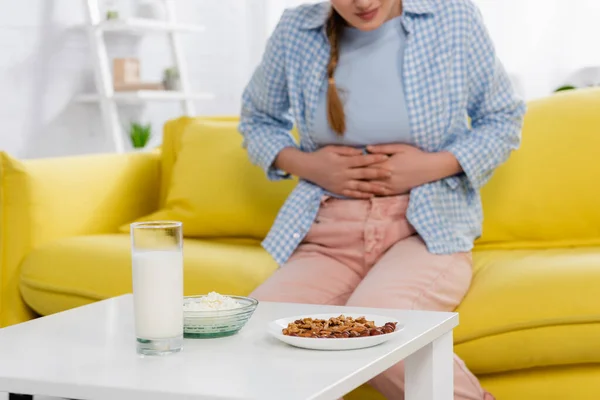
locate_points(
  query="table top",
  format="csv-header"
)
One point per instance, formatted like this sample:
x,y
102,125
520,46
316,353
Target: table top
x,y
89,353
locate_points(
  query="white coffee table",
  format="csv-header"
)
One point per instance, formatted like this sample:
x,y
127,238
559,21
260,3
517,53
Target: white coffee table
x,y
89,353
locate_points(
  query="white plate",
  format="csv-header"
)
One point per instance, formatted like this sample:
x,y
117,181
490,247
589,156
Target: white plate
x,y
275,328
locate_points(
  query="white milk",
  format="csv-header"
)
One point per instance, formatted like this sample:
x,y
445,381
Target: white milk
x,y
158,294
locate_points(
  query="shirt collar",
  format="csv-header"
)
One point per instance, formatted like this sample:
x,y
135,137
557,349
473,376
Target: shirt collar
x,y
317,19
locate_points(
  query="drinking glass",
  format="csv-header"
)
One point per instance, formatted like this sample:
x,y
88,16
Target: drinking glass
x,y
157,268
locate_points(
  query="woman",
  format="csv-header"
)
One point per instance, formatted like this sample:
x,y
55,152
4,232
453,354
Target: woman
x,y
387,206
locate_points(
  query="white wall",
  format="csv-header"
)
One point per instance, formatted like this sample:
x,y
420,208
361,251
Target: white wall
x,y
45,61
545,43
542,43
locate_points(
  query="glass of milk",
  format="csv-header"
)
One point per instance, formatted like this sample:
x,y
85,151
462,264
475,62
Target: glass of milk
x,y
157,266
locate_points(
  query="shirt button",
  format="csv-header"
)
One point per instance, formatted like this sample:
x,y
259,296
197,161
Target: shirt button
x,y
296,235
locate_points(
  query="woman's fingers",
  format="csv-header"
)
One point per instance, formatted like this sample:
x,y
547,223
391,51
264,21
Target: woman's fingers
x,y
392,148
365,160
369,173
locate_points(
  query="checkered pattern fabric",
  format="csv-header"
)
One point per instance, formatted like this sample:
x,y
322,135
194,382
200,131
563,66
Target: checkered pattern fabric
x,y
450,72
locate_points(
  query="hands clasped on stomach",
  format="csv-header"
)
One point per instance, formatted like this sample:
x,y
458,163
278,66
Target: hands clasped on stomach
x,y
388,170
348,172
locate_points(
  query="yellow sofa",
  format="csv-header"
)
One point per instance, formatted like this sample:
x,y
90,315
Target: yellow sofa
x,y
530,325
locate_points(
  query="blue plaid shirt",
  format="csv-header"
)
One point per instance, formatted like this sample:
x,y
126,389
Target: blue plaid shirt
x,y
450,73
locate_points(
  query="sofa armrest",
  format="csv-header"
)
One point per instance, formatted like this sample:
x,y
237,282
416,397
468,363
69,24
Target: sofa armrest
x,y
48,199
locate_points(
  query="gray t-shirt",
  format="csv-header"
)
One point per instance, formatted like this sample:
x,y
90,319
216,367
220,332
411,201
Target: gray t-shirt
x,y
369,80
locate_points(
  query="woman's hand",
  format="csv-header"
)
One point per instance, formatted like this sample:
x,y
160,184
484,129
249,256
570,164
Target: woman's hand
x,y
411,167
348,172
340,170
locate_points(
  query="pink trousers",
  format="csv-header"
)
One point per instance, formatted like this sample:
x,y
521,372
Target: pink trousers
x,y
364,253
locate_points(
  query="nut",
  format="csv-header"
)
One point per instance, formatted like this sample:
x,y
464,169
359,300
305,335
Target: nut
x,y
337,328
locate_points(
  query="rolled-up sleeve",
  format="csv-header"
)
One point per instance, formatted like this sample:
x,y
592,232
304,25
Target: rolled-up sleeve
x,y
495,110
266,120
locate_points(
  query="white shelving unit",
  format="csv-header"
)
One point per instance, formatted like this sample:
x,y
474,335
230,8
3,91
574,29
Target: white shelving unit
x,y
140,96
105,95
140,25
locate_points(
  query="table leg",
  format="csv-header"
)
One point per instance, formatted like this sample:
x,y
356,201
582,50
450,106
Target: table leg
x,y
14,396
429,372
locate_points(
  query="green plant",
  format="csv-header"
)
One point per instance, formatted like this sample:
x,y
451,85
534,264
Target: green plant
x,y
564,88
171,73
139,134
171,79
112,14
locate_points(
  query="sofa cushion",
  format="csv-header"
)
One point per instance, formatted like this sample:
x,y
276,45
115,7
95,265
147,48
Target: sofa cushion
x,y
570,382
215,190
171,145
45,199
76,271
547,194
529,308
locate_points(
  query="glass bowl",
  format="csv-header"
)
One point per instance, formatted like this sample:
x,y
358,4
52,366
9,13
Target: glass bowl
x,y
217,323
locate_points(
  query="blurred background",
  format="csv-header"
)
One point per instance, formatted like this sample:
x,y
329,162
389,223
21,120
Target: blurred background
x,y
48,62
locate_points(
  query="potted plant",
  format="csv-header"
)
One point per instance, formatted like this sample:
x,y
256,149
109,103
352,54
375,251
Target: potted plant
x,y
140,134
111,10
171,79
112,14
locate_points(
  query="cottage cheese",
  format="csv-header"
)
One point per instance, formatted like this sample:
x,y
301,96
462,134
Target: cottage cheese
x,y
211,302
